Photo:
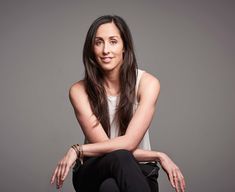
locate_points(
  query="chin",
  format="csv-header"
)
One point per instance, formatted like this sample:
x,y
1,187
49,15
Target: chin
x,y
109,67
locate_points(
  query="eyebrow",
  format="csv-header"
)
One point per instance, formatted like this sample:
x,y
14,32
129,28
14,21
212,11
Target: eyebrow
x,y
111,37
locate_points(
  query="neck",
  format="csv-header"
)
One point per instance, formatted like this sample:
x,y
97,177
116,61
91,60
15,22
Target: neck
x,y
112,83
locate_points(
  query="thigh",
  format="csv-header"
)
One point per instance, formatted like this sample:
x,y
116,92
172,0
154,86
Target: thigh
x,y
85,177
150,171
89,176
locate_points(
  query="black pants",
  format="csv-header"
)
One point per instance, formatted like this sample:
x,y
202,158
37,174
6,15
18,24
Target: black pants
x,y
117,171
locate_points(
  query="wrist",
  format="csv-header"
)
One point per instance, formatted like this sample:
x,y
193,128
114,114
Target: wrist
x,y
160,156
78,149
71,151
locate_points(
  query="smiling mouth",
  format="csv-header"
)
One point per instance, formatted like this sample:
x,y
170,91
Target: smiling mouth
x,y
106,59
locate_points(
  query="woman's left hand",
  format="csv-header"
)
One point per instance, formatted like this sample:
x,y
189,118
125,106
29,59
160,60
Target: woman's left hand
x,y
173,172
63,167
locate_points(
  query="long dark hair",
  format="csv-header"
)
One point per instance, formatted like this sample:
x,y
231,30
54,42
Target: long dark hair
x,y
94,78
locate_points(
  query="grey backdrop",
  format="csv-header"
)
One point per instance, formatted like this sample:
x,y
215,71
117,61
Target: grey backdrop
x,y
189,45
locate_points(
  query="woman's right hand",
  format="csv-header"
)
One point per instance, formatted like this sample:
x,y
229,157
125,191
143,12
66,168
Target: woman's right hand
x,y
173,172
63,167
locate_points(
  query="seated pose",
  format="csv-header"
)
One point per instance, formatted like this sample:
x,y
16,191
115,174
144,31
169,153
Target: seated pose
x,y
114,105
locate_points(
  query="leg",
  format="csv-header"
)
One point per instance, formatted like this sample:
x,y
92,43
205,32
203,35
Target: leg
x,y
150,171
120,165
109,185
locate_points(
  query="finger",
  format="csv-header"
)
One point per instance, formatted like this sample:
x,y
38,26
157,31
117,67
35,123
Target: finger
x,y
171,177
59,189
176,182
66,171
182,182
63,168
61,180
58,175
53,176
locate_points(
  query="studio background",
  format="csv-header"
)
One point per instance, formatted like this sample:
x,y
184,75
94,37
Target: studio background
x,y
188,45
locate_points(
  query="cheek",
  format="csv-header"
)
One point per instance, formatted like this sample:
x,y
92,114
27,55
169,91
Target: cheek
x,y
119,50
96,51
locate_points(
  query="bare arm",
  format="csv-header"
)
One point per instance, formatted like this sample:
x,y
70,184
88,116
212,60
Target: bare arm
x,y
149,89
99,142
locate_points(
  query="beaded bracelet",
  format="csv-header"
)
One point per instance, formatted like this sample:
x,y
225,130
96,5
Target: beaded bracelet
x,y
79,151
76,150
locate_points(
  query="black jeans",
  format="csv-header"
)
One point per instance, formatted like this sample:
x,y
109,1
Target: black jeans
x,y
117,171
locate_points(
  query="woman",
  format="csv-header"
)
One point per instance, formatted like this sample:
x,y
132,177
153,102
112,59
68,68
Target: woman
x,y
114,106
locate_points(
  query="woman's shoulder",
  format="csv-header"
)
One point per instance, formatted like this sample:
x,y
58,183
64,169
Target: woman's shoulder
x,y
79,99
77,86
77,90
149,87
149,80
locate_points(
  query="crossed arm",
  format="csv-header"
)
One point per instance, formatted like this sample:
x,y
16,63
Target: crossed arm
x,y
100,144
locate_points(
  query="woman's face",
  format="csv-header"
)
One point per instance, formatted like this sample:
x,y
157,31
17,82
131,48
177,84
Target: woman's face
x,y
108,47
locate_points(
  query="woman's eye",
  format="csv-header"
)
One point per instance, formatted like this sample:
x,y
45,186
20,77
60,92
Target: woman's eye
x,y
113,42
97,43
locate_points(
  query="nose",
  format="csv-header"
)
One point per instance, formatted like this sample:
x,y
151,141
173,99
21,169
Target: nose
x,y
106,49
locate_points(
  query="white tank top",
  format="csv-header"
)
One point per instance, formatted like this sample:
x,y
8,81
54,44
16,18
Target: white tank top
x,y
112,104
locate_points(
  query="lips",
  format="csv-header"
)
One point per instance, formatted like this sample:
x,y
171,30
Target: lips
x,y
106,59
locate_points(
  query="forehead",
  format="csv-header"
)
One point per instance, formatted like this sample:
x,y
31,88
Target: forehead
x,y
107,30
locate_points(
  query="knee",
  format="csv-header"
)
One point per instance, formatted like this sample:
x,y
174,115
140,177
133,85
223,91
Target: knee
x,y
109,185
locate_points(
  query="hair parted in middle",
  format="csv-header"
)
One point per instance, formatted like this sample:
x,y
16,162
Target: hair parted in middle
x,y
94,79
